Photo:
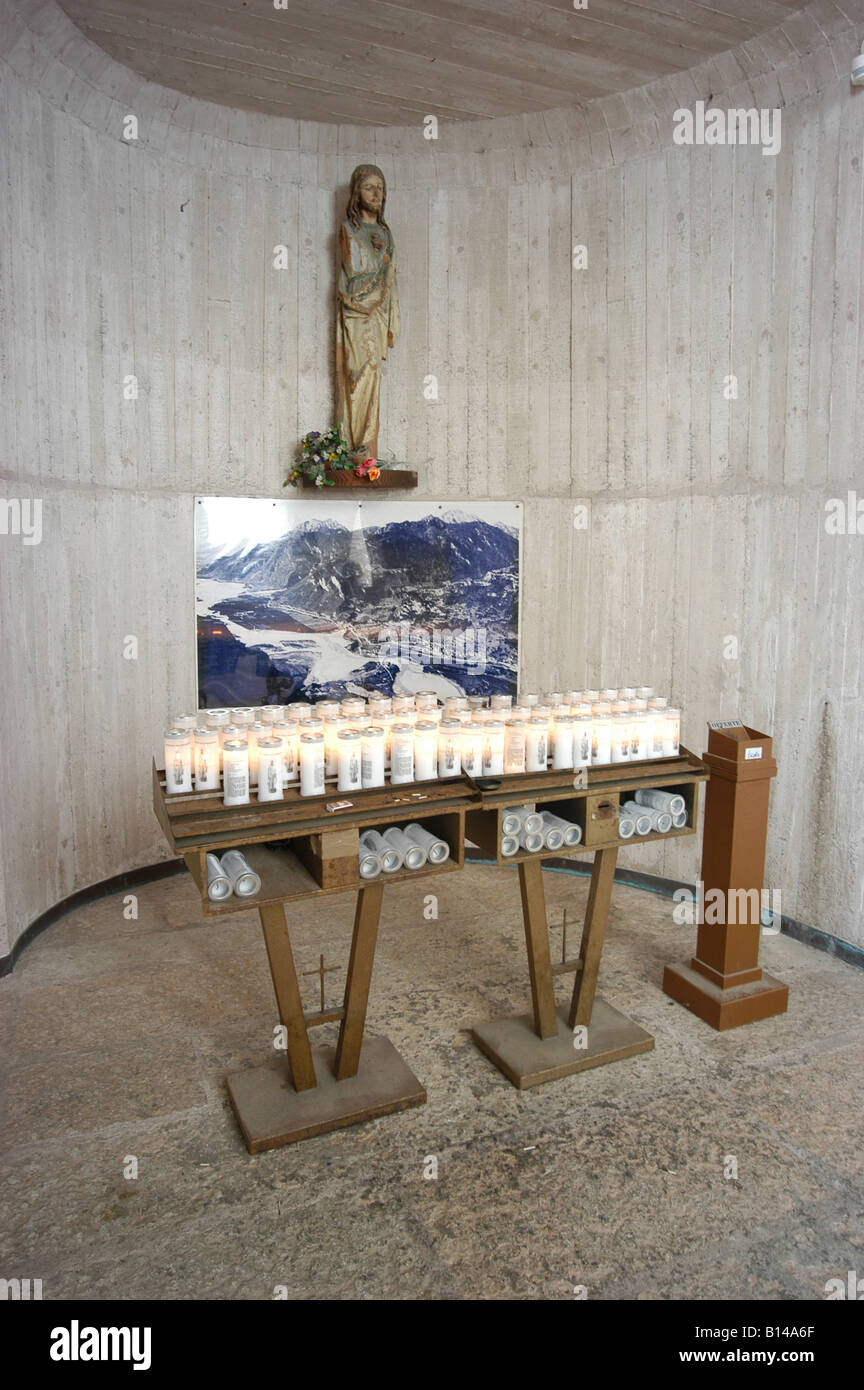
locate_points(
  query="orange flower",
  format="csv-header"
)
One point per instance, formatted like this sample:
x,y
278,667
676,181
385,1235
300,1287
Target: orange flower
x,y
374,474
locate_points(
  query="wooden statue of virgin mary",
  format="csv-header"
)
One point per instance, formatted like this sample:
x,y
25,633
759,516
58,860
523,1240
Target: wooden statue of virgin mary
x,y
368,315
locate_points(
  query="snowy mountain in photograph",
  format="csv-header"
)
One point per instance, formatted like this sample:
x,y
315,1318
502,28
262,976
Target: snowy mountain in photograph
x,y
331,606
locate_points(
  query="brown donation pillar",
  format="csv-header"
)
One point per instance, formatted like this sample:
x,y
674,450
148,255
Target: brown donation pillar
x,y
723,983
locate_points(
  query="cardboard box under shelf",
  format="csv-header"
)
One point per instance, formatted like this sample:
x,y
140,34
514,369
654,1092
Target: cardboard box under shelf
x,y
332,857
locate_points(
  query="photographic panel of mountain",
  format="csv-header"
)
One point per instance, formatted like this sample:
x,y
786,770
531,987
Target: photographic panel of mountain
x,y
315,599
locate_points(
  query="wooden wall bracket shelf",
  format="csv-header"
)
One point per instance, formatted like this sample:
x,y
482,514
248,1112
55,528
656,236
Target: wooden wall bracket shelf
x,y
388,478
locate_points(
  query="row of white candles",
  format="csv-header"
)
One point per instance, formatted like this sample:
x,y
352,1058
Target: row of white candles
x,y
357,741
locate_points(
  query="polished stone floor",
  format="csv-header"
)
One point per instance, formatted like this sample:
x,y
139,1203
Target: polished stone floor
x,y
116,1034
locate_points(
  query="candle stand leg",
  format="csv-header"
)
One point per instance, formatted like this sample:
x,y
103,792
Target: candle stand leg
x,y
551,1042
357,1080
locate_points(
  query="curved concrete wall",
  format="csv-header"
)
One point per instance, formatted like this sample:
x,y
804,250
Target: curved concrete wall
x,y
606,387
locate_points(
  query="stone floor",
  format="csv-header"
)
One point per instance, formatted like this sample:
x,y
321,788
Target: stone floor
x,y
116,1033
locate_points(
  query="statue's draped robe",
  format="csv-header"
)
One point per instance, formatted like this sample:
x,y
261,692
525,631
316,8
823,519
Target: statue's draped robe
x,y
367,324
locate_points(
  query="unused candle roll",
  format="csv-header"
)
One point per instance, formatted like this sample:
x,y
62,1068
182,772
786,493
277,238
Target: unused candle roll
x,y
218,882
572,833
660,820
679,820
553,836
640,814
391,859
532,840
244,881
509,845
626,827
660,800
370,863
413,855
437,850
520,818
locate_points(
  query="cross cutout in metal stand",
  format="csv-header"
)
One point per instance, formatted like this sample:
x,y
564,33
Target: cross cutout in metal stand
x,y
321,972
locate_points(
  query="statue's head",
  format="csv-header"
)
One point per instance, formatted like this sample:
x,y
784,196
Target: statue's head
x,y
368,191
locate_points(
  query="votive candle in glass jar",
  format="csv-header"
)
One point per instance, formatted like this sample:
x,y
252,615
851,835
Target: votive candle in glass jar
x,y
529,701
609,694
601,738
500,702
372,762
401,753
185,723
476,702
301,710
252,736
425,750
349,776
287,731
402,704
583,729
235,772
333,727
589,696
553,697
472,744
379,705
655,724
425,699
638,736
326,709
515,734
626,692
270,769
207,760
270,714
311,764
645,692
672,733
241,718
493,747
352,705
449,747
621,737
178,762
562,753
218,719
536,745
